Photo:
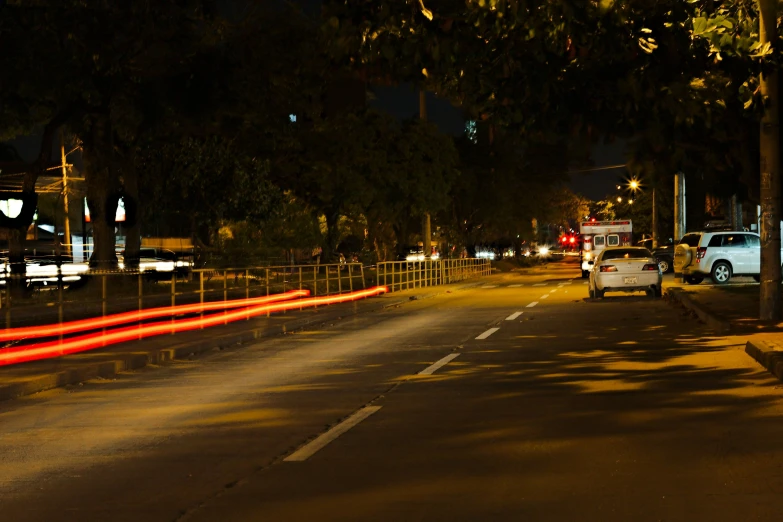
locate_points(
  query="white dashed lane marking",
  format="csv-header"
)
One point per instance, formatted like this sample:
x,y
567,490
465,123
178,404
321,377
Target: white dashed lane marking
x,y
531,305
514,286
487,333
540,284
429,370
308,450
489,286
544,296
513,316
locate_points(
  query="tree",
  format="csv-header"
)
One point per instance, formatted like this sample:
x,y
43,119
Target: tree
x,y
205,183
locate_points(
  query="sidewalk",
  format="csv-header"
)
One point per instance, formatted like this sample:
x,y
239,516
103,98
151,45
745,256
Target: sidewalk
x,y
734,309
34,377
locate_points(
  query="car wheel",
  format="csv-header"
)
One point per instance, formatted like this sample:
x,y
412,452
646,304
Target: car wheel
x,y
664,265
721,273
693,280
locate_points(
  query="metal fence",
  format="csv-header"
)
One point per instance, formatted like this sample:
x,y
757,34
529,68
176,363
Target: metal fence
x,y
99,293
404,275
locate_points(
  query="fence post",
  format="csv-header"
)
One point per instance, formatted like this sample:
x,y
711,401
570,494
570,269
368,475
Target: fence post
x,y
173,298
141,300
350,278
364,283
326,267
103,302
8,300
266,270
201,294
247,290
339,280
225,293
300,283
315,283
60,300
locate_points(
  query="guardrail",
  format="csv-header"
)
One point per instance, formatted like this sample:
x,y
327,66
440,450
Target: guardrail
x,y
405,275
100,293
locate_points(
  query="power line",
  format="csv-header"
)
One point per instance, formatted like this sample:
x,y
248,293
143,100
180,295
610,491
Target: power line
x,y
610,167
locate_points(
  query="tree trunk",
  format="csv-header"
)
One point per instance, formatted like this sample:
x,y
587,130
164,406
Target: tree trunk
x,y
133,216
16,245
102,182
332,236
769,309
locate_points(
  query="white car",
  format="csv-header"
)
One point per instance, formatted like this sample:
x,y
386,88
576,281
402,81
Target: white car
x,y
717,255
625,269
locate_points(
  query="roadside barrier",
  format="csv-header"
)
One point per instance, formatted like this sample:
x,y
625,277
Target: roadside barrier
x,y
405,275
47,350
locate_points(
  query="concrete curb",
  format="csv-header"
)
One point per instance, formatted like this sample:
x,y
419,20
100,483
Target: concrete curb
x,y
713,320
767,355
133,361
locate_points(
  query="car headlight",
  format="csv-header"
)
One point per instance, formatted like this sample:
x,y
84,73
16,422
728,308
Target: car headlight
x,y
543,251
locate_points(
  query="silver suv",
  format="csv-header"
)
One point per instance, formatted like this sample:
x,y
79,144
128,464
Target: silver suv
x,y
718,255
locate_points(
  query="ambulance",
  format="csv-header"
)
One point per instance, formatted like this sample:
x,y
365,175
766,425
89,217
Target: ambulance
x,y
597,235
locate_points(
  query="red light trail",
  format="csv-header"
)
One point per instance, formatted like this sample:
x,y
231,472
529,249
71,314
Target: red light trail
x,y
47,350
51,330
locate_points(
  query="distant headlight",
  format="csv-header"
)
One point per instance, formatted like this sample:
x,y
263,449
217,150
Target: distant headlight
x,y
543,251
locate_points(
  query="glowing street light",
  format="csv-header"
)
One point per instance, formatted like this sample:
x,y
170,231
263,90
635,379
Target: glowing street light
x,y
619,199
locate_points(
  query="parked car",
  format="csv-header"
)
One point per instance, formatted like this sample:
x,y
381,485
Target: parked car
x,y
625,269
718,255
664,254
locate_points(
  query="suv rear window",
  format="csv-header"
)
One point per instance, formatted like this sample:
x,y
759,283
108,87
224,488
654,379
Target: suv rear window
x,y
692,240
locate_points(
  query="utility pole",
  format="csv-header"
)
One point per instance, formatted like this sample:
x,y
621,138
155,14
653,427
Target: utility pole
x,y
67,237
769,309
654,221
679,206
426,233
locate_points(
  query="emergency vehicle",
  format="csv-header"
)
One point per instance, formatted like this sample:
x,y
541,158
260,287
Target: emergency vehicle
x,y
597,235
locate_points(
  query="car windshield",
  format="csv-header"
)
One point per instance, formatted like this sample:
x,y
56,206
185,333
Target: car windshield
x,y
692,240
626,253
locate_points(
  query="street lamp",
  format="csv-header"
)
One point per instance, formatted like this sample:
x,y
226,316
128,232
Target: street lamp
x,y
635,185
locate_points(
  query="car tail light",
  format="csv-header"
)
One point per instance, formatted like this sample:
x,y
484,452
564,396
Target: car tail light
x,y
650,267
607,268
700,253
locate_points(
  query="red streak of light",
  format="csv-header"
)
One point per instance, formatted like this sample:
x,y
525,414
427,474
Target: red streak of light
x,y
84,343
51,330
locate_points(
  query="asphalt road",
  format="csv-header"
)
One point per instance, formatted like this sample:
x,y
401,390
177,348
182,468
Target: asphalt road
x,y
569,409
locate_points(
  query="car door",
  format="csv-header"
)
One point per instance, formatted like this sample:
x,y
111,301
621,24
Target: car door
x,y
753,256
734,252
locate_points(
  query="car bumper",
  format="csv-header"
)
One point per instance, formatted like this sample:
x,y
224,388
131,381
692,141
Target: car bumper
x,y
617,281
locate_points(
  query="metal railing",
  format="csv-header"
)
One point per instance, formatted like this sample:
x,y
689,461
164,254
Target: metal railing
x,y
99,293
405,275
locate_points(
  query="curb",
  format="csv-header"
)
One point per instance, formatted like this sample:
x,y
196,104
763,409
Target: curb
x,y
713,320
767,356
126,362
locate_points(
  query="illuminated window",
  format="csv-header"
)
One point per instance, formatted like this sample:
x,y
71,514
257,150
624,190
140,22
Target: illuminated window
x,y
471,131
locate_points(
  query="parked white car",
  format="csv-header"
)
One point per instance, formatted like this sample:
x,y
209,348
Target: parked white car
x,y
625,269
718,255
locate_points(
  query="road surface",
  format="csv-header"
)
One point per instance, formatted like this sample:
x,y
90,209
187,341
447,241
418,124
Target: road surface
x,y
519,399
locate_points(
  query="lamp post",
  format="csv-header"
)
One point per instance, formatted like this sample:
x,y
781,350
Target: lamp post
x,y
635,185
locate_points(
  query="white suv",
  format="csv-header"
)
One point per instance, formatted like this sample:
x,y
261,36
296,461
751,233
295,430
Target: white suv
x,y
718,255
